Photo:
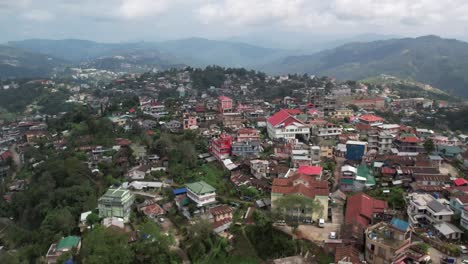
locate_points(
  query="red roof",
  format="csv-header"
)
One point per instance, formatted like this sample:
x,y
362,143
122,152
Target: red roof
x,y
370,118
349,252
221,209
294,111
361,208
460,182
283,116
310,170
387,170
5,155
132,110
409,139
300,184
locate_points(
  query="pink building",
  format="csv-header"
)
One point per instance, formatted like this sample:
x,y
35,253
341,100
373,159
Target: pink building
x,y
190,122
225,104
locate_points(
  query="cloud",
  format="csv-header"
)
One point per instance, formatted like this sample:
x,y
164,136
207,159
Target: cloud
x,y
131,9
313,13
38,15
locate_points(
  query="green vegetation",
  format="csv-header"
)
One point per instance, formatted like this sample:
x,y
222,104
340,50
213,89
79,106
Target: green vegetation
x,y
395,198
429,59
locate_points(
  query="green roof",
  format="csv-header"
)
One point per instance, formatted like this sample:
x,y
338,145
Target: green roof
x,y
347,181
364,171
200,187
116,192
68,242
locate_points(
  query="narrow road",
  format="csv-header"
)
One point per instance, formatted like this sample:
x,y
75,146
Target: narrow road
x,y
16,159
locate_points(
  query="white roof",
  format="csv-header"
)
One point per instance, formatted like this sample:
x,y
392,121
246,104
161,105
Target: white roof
x,y
348,168
353,142
378,164
229,164
84,216
389,126
446,228
145,184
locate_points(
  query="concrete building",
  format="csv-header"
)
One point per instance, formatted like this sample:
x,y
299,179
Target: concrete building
x,y
424,209
225,104
116,202
246,149
304,155
201,193
380,141
221,147
386,242
284,125
259,168
302,185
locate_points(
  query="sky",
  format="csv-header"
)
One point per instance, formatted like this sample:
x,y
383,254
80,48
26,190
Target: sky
x,y
154,20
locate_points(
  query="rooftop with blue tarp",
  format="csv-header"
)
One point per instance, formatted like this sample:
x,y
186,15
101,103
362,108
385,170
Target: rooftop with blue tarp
x,y
179,191
399,224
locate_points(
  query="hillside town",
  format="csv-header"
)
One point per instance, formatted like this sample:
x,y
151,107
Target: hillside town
x,y
267,169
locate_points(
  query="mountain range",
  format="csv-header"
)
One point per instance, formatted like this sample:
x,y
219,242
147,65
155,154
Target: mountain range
x,y
442,63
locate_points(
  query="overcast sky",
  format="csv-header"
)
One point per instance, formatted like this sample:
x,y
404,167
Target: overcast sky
x,y
135,20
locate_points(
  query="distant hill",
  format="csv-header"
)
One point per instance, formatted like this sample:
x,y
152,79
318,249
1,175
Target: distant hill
x,y
74,50
190,51
442,63
134,60
203,52
15,62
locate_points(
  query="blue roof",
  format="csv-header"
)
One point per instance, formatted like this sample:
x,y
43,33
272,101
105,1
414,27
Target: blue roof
x,y
399,224
179,191
69,261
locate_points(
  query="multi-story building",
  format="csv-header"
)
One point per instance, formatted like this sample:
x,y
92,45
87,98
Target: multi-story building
x,y
424,209
248,134
371,120
116,202
225,104
355,150
370,104
233,120
386,242
304,155
409,143
221,147
201,193
348,174
246,148
326,131
464,218
306,186
341,113
221,217
380,141
259,168
392,129
190,121
285,125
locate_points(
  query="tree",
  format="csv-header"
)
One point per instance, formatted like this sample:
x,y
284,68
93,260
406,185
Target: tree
x,y
155,245
103,245
429,146
92,219
293,206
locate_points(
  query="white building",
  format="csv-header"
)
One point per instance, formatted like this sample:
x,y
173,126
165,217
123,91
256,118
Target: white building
x,y
284,125
425,209
201,193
